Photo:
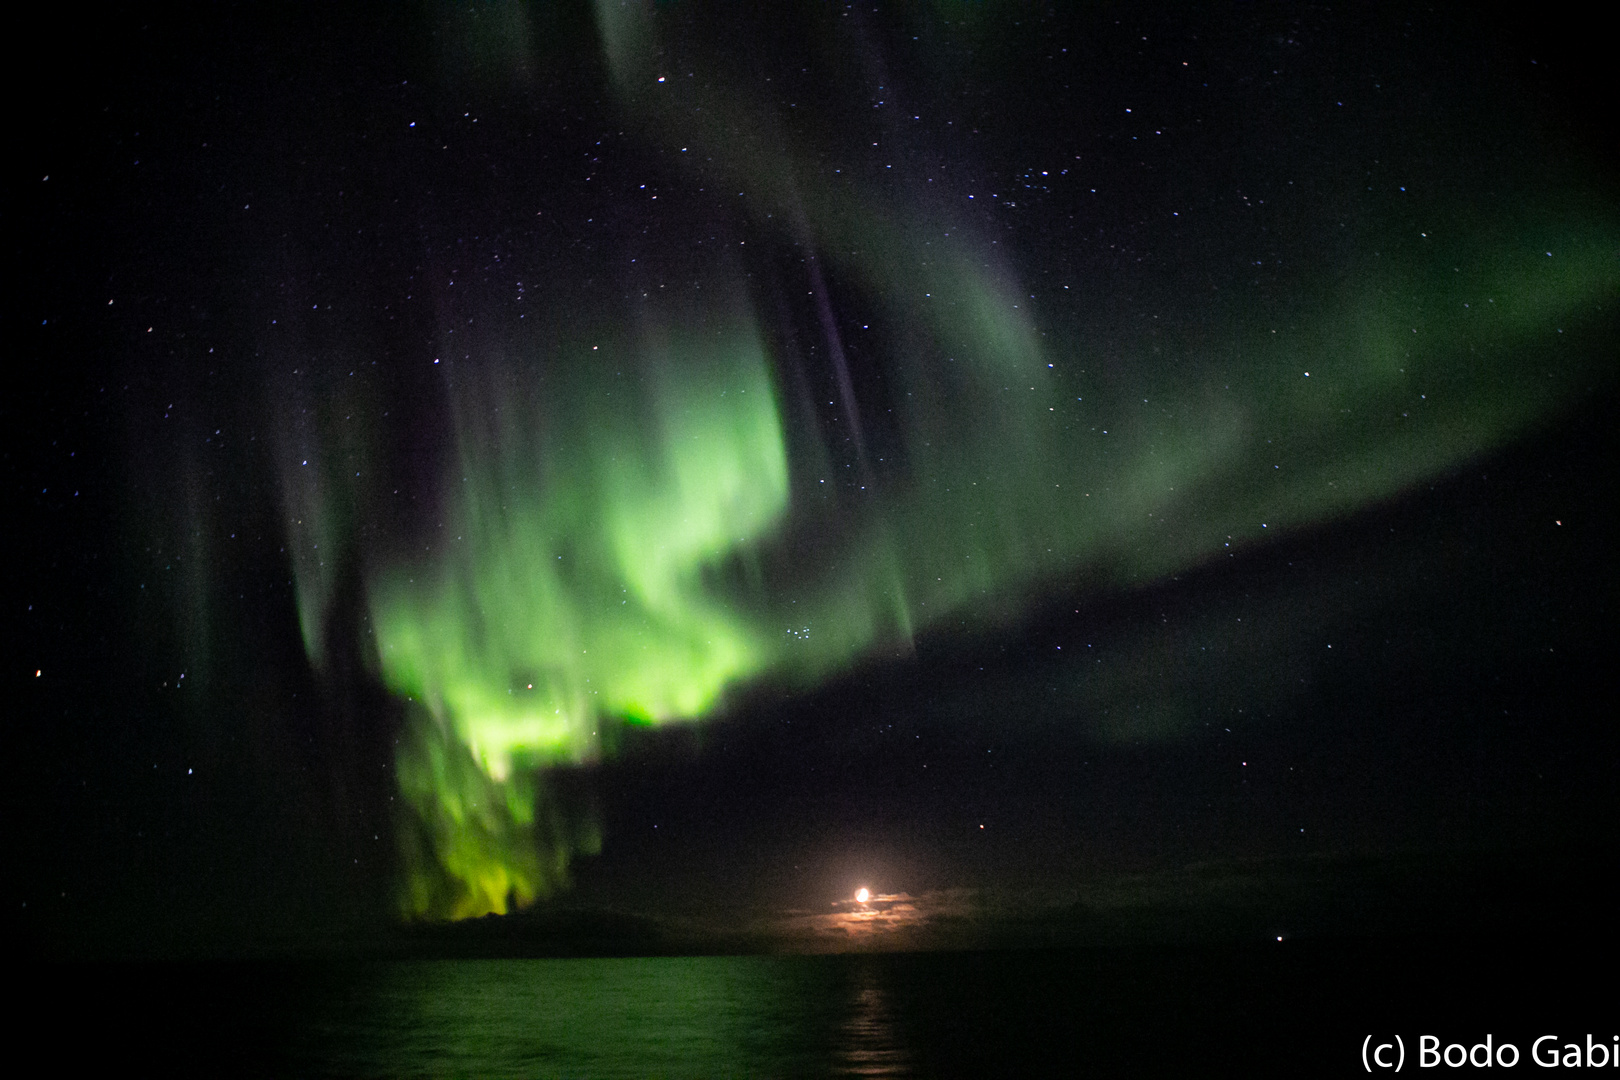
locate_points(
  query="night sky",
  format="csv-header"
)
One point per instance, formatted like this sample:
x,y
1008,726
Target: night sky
x,y
1092,471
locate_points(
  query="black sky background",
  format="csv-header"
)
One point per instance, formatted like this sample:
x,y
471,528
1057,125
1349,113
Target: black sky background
x,y
195,165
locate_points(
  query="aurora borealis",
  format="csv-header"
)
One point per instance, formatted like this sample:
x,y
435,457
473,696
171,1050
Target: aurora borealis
x,y
482,409
629,546
632,559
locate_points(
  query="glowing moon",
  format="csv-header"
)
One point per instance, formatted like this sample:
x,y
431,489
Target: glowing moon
x,y
862,896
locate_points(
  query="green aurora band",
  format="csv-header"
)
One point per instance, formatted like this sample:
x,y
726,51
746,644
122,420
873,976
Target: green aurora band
x,y
631,549
589,583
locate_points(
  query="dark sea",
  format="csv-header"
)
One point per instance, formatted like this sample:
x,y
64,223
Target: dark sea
x,y
1304,1009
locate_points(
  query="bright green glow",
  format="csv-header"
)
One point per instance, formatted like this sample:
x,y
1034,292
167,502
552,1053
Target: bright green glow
x,y
569,587
476,843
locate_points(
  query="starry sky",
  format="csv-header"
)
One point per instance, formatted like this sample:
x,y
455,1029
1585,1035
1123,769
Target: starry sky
x,y
663,459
